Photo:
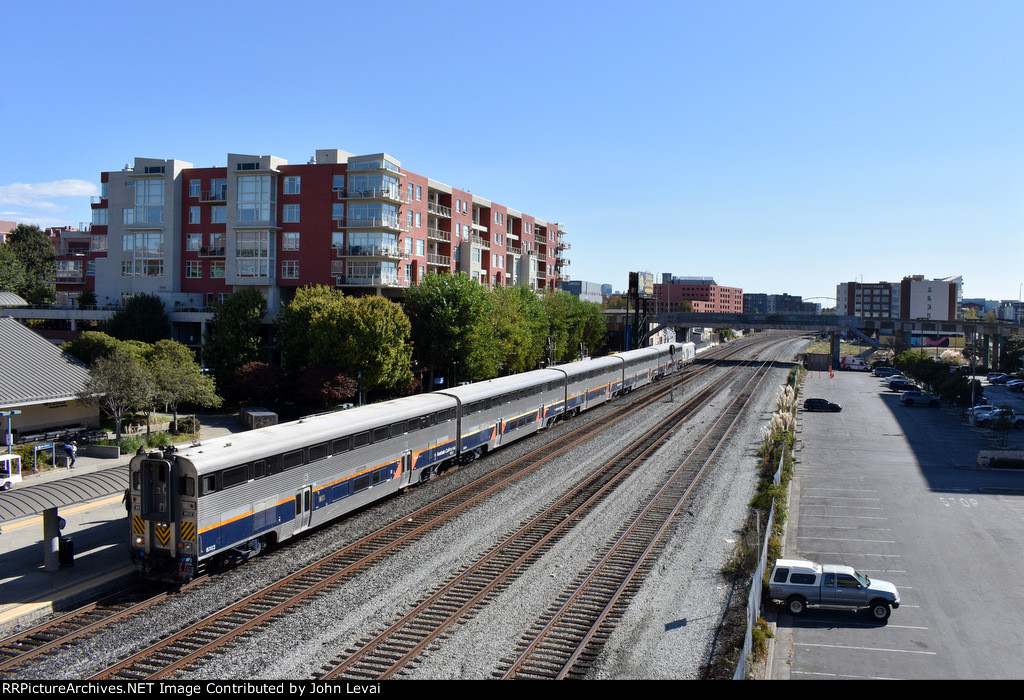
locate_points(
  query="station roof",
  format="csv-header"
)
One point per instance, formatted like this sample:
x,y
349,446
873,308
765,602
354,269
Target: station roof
x,y
34,370
33,500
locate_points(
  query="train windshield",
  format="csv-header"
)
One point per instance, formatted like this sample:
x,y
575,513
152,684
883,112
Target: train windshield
x,y
156,489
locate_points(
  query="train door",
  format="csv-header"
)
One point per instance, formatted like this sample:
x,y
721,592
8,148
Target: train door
x,y
303,508
405,469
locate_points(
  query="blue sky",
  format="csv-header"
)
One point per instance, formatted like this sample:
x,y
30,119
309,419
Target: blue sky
x,y
775,146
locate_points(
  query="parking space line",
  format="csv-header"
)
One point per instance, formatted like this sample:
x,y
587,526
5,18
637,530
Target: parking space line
x,y
843,675
846,539
859,648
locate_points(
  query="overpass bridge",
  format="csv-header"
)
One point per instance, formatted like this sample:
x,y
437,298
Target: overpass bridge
x,y
992,335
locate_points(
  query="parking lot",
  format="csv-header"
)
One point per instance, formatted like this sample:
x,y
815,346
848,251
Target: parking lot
x,y
894,491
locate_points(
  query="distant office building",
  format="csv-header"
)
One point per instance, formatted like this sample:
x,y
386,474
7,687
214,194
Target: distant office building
x,y
363,224
913,298
778,304
585,291
703,294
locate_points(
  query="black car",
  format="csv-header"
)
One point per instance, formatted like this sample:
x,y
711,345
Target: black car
x,y
821,405
902,385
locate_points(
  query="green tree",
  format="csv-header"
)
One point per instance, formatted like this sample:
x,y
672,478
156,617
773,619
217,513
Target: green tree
x,y
178,378
1013,351
143,317
573,322
118,383
13,275
233,334
450,324
322,327
90,345
519,327
37,254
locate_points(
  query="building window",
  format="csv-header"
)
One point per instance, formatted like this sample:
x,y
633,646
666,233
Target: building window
x,y
419,193
142,254
419,247
290,269
195,188
289,241
194,269
98,244
149,201
255,197
419,220
218,215
194,241
292,185
99,217
290,213
253,253
194,217
217,269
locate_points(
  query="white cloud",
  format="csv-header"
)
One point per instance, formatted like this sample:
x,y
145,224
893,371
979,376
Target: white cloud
x,y
39,195
47,203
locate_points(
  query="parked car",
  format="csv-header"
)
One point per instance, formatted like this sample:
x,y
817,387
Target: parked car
x,y
1015,385
799,583
902,384
988,418
821,405
884,371
919,398
892,377
993,374
1000,379
854,363
976,411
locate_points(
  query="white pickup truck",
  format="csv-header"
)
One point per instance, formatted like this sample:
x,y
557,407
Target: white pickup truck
x,y
799,583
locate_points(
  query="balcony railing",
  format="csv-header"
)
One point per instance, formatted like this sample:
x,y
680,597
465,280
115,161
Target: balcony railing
x,y
391,223
373,251
392,194
477,240
209,251
366,281
436,234
439,260
440,210
213,196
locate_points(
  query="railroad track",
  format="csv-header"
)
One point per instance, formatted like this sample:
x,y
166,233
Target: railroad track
x,y
396,649
248,614
187,648
565,642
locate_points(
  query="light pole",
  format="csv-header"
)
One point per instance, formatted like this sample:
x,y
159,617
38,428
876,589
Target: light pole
x,y
8,439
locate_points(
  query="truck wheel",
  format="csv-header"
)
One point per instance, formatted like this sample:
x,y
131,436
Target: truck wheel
x,y
796,605
880,610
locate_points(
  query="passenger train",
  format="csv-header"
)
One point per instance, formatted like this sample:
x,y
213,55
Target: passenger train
x,y
226,499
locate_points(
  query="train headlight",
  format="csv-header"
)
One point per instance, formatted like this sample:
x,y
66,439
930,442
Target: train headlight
x,y
139,540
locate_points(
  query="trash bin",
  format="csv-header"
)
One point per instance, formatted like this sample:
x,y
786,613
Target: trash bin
x,y
66,552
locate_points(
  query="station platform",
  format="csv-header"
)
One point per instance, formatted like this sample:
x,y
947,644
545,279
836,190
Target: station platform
x,y
98,533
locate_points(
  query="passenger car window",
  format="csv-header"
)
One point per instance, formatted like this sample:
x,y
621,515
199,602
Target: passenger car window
x,y
780,575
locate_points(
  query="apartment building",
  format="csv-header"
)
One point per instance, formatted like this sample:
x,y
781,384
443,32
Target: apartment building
x,y
914,297
360,223
702,292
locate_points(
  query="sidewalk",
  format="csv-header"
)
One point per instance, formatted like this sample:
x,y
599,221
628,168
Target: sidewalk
x,y
98,530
